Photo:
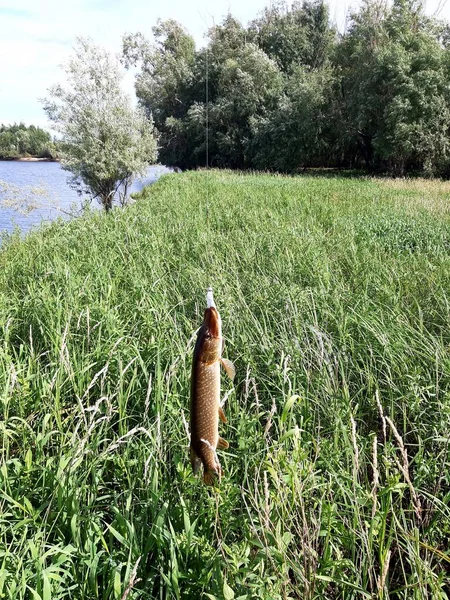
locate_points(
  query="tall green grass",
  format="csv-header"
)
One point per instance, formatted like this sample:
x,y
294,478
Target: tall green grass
x,y
335,300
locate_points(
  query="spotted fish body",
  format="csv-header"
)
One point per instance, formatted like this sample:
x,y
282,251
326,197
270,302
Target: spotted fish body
x,y
205,395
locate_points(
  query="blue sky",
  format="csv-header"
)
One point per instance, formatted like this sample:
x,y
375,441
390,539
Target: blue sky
x,y
38,36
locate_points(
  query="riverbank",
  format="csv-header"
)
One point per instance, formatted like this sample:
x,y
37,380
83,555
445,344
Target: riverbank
x,y
28,159
33,191
335,300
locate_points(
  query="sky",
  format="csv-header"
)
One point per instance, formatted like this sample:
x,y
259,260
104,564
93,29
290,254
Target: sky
x,y
36,37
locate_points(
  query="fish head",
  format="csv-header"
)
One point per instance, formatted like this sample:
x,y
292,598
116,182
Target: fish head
x,y
212,335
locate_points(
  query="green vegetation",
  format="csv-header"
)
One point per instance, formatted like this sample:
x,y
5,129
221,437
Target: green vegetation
x,y
19,140
288,91
334,295
105,141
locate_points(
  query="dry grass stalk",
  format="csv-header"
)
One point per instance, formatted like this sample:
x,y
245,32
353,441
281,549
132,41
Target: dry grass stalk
x,y
269,423
381,581
376,475
266,502
225,398
381,411
133,580
120,441
404,468
255,391
247,384
147,398
355,446
186,426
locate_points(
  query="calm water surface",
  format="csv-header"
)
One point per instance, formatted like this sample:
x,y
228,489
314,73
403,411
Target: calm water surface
x,y
52,179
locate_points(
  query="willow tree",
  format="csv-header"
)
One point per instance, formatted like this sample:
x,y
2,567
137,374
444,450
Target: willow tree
x,y
105,141
166,85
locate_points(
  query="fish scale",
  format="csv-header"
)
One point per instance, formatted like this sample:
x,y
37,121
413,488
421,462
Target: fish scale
x,y
205,407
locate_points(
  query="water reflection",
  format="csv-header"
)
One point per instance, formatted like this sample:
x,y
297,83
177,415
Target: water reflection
x,y
51,179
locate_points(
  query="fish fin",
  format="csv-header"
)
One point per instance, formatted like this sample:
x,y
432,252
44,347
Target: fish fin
x,y
210,477
195,461
222,444
229,367
222,415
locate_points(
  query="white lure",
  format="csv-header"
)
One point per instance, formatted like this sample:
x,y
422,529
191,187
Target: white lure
x,y
209,299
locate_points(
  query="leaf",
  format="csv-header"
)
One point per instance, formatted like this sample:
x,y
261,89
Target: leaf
x,y
288,407
117,584
46,588
294,432
28,459
118,536
34,593
228,593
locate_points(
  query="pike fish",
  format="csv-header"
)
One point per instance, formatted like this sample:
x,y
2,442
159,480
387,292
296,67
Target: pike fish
x,y
205,394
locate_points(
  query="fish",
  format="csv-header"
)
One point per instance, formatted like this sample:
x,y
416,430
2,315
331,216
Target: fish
x,y
205,408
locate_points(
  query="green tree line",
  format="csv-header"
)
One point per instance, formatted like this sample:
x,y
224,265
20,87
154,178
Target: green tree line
x,y
19,140
289,91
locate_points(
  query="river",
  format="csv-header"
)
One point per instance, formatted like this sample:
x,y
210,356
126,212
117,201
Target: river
x,y
54,198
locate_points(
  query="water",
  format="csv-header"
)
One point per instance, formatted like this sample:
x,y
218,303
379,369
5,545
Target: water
x,y
52,180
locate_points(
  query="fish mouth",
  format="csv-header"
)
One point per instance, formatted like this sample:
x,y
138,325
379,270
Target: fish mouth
x,y
212,322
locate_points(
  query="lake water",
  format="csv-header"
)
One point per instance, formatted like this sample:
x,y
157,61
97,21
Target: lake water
x,y
51,180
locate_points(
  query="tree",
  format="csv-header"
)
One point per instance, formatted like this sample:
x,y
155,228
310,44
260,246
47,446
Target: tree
x,y
172,86
297,133
414,132
295,35
249,83
394,96
165,84
105,142
19,140
288,92
362,93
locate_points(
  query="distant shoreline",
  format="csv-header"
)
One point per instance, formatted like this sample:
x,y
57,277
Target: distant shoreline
x,y
29,159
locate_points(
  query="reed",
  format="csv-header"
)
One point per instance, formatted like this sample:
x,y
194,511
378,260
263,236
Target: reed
x,y
335,298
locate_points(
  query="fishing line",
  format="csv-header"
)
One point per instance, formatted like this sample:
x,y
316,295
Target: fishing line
x,y
208,179
216,494
207,106
207,131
